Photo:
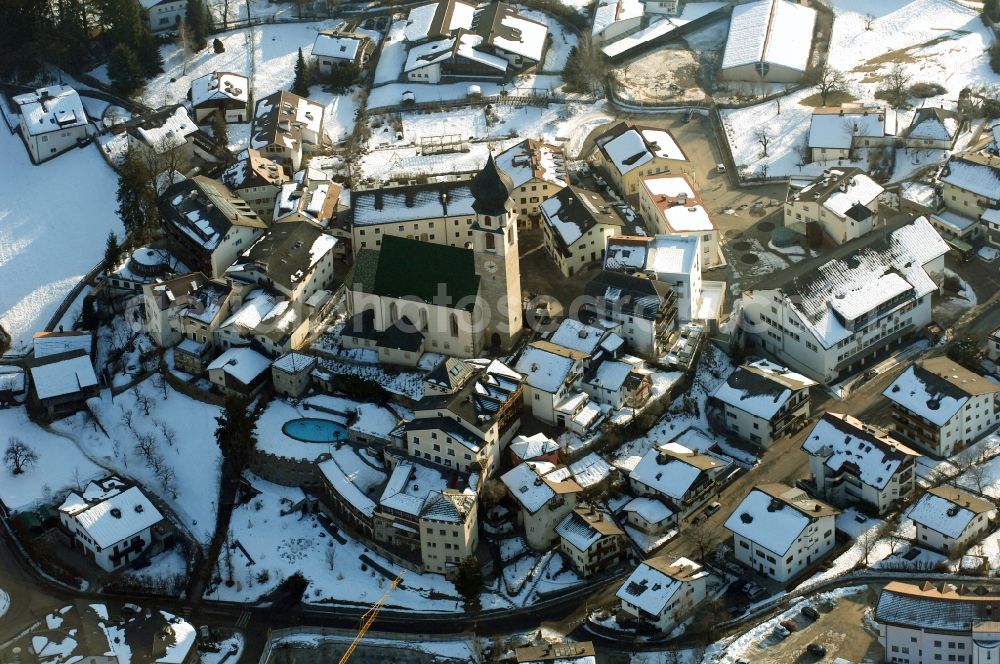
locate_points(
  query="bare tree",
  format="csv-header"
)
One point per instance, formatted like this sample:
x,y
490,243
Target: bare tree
x,y
18,456
867,541
331,555
128,418
142,400
168,479
896,83
763,139
829,81
869,21
145,447
702,538
160,383
169,435
225,15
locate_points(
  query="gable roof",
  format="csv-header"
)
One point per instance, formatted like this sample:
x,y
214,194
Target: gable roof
x,y
937,389
53,108
627,146
773,31
405,268
286,253
654,583
573,211
205,209
948,510
773,516
761,388
871,454
978,173
62,374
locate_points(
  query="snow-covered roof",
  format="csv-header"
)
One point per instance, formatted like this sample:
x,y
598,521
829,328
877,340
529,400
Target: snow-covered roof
x,y
839,128
54,108
294,363
774,515
243,364
534,483
654,583
11,379
857,283
117,518
586,526
957,223
412,203
591,470
869,454
53,343
673,469
337,46
63,376
352,478
609,12
920,193
519,35
220,86
573,211
172,132
940,608
546,366
761,388
775,32
611,375
935,126
533,160
579,336
629,146
526,448
975,173
677,203
937,389
947,510
450,15
650,509
429,53
661,254
467,48
858,190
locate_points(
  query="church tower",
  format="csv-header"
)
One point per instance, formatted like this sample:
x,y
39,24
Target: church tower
x,y
494,243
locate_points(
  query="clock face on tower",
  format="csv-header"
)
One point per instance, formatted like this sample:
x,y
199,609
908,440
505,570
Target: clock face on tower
x,y
491,266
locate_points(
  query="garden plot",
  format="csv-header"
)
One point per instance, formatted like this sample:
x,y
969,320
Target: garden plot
x,y
45,249
162,439
668,74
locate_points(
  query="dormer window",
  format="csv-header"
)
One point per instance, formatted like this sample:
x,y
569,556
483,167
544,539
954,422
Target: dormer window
x,y
488,220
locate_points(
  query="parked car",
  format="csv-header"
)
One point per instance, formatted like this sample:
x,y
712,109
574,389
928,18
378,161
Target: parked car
x,y
712,508
781,632
860,518
816,649
810,612
720,168
789,625
756,592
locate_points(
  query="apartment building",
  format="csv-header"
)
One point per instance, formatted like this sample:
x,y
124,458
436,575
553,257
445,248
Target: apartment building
x,y
949,520
844,202
626,152
591,541
663,594
670,205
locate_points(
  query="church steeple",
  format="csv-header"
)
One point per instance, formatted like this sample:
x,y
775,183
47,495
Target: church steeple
x,y
490,189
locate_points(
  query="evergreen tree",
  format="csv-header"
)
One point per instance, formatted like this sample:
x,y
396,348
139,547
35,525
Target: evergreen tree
x,y
24,33
112,251
124,70
198,21
967,351
469,582
131,203
300,85
236,434
220,132
70,38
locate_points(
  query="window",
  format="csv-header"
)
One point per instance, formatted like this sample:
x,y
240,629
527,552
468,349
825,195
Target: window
x,y
454,325
491,242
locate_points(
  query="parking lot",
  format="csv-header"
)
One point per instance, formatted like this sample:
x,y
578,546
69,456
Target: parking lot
x,y
840,630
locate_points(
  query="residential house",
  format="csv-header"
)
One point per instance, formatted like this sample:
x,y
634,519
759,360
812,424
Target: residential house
x,y
671,259
855,464
626,152
60,384
619,385
143,266
761,402
670,205
339,50
168,139
291,374
210,225
537,171
286,127
240,371
52,120
933,128
970,186
949,520
220,92
551,373
643,309
309,196
684,478
838,132
468,428
545,494
830,316
781,532
264,318
844,202
650,515
940,622
45,344
537,447
576,225
661,595
111,523
591,541
257,181
164,14
769,41
12,386
941,407
615,19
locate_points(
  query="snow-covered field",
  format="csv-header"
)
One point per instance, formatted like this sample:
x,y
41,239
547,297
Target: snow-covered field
x,y
183,431
60,465
935,41
54,219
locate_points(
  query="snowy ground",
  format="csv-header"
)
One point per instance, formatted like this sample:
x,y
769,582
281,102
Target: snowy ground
x,y
230,650
60,465
936,41
391,94
467,650
65,235
183,434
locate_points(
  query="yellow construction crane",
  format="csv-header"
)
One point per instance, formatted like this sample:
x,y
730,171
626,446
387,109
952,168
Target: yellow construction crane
x,y
369,617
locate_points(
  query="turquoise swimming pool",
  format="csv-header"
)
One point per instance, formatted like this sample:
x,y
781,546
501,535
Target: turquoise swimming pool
x,y
312,430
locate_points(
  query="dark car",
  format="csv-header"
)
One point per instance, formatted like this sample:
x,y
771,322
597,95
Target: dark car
x,y
816,649
810,613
